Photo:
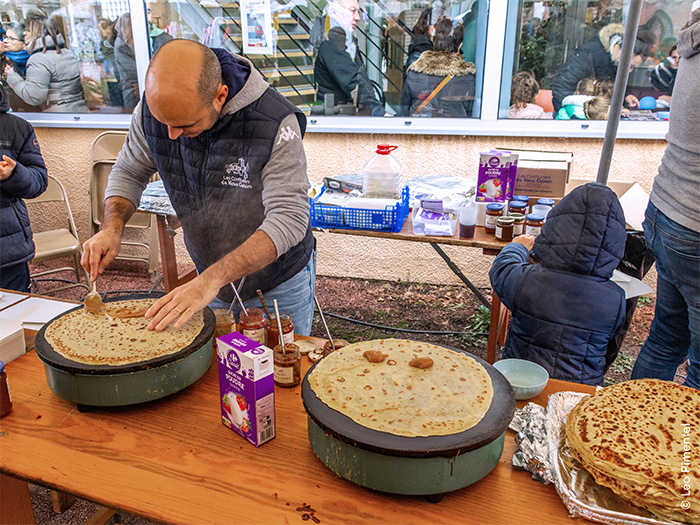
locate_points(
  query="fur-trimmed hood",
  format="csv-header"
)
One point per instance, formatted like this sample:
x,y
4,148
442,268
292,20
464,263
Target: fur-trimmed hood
x,y
441,63
608,32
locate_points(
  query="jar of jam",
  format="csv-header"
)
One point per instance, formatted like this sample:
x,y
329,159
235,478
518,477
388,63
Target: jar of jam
x,y
517,207
5,397
494,210
253,324
328,347
224,323
287,365
533,224
546,202
522,198
287,330
518,224
504,229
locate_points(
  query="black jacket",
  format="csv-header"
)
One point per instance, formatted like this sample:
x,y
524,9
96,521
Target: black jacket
x,y
28,180
422,43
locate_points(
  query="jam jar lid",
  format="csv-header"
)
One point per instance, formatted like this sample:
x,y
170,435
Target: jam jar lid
x,y
546,202
535,217
494,206
523,198
506,220
517,216
517,204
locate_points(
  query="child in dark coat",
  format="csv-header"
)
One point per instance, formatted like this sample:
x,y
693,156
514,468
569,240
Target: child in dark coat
x,y
565,309
22,176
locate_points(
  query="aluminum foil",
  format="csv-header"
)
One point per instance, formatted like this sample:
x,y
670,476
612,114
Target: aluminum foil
x,y
531,436
576,487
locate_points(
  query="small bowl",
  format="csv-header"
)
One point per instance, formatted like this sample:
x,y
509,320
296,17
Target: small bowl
x,y
527,378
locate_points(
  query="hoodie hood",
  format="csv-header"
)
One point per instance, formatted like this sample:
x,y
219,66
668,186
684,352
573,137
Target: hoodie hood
x,y
4,100
422,43
584,234
689,36
608,32
441,63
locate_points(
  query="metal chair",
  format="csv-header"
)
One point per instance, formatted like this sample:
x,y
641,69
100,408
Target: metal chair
x,y
58,243
105,149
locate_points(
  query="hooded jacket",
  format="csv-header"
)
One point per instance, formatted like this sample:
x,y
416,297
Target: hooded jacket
x,y
455,98
52,80
415,49
565,309
591,60
676,191
28,180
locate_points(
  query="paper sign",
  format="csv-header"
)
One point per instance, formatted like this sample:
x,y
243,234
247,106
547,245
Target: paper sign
x,y
632,286
258,34
35,311
9,298
634,203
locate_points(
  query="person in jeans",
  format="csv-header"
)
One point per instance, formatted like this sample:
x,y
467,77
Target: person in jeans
x,y
672,229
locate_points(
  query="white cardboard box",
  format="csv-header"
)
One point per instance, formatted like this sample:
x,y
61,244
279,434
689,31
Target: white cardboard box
x,y
11,340
633,198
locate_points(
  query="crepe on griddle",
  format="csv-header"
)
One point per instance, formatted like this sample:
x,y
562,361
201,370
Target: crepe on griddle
x,y
641,439
448,397
105,338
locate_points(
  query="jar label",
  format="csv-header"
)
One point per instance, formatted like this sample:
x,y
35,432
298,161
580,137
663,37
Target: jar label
x,y
533,230
499,232
517,230
284,375
258,334
288,337
490,221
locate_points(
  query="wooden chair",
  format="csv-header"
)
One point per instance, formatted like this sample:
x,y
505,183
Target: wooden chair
x,y
544,100
498,328
57,243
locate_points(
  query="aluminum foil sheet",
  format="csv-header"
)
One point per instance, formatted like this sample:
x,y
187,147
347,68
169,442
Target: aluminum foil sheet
x,y
576,487
531,436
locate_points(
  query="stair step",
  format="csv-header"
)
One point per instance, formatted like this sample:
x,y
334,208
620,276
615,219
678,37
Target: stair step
x,y
305,70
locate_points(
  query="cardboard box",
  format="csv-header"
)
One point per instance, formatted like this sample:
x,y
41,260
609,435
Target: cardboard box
x,y
542,173
633,199
247,387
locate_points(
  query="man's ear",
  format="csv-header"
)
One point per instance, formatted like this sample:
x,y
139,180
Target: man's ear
x,y
221,94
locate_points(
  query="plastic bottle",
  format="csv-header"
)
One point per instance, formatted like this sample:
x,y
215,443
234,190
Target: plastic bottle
x,y
382,176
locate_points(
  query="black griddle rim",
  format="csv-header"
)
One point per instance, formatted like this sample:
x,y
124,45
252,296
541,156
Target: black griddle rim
x,y
494,423
55,360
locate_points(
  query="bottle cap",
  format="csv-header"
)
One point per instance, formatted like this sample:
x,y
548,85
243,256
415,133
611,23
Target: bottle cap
x,y
385,149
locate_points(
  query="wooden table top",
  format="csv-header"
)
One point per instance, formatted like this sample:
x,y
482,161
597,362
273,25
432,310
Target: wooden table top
x,y
172,460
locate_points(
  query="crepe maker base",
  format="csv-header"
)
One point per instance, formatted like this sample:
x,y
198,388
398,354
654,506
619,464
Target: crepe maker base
x,y
410,465
104,385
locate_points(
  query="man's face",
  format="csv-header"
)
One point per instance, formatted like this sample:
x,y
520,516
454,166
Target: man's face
x,y
354,7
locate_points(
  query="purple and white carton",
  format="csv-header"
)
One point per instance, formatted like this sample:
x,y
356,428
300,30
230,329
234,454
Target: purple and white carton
x,y
247,387
494,171
512,173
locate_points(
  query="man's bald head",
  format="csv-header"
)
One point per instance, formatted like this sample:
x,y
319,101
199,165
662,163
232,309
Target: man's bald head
x,y
183,68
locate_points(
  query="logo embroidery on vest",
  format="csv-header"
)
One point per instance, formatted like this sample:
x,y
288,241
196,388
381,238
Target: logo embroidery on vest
x,y
286,134
237,175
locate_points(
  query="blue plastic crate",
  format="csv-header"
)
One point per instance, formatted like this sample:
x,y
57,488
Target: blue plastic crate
x,y
390,219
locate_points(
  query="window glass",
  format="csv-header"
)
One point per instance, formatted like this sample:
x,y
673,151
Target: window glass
x,y
63,56
342,57
562,57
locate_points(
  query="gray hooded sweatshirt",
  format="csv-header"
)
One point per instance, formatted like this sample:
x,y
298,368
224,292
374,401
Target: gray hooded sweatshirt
x,y
676,191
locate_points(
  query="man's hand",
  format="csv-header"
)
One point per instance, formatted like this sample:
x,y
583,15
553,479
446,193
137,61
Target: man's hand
x,y
182,303
99,251
6,167
632,101
525,240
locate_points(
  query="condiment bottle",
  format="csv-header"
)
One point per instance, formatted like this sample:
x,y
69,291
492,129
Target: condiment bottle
x,y
494,210
287,330
252,324
533,224
518,224
517,207
287,365
5,397
504,229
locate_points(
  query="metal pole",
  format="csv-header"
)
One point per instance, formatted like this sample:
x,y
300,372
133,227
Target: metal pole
x,y
623,69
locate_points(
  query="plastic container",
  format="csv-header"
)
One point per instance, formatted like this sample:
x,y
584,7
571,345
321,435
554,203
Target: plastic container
x,y
467,221
382,176
540,209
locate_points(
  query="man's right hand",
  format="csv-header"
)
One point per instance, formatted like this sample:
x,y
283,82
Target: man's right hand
x,y
526,240
100,250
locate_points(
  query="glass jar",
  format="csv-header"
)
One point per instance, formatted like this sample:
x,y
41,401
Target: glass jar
x,y
494,210
287,330
5,396
517,207
533,224
522,198
287,365
224,323
504,229
252,324
518,224
546,202
339,343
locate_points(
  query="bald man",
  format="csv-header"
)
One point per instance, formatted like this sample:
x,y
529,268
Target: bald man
x,y
228,148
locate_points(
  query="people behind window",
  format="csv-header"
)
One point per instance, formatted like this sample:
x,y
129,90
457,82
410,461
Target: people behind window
x,y
664,75
52,76
420,39
598,58
13,47
125,60
440,83
523,92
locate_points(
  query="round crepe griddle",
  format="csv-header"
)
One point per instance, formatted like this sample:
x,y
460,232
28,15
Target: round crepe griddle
x,y
493,424
52,358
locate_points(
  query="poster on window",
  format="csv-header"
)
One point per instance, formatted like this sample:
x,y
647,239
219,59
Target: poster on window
x,y
257,27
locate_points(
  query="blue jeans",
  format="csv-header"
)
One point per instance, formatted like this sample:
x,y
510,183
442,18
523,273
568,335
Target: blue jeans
x,y
15,277
295,296
675,331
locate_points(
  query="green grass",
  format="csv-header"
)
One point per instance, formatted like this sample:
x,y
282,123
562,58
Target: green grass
x,y
643,300
478,324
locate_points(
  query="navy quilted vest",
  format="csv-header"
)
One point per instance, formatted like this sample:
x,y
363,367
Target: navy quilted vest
x,y
214,184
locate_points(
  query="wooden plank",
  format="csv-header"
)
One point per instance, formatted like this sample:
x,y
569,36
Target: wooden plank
x,y
61,501
16,508
100,516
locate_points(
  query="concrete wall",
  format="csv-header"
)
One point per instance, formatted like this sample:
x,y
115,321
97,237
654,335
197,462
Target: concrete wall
x,y
67,154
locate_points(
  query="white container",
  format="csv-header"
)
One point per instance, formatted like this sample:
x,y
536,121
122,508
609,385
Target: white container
x,y
382,176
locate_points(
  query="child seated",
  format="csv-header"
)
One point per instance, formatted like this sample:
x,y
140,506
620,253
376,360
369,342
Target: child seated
x,y
565,309
523,92
572,105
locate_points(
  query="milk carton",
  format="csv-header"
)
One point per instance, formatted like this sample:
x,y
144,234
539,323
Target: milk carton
x,y
494,173
512,173
247,387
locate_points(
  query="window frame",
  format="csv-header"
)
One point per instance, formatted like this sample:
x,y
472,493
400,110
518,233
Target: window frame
x,y
487,125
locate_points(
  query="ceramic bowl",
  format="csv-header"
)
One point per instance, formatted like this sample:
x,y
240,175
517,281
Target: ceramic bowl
x,y
527,378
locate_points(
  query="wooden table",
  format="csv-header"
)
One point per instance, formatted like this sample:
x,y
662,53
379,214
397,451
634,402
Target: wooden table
x,y
172,460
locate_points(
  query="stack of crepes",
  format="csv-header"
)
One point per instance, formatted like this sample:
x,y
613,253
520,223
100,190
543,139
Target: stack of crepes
x,y
642,440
